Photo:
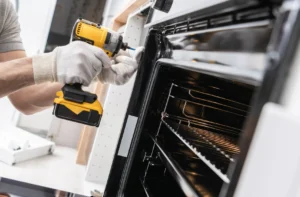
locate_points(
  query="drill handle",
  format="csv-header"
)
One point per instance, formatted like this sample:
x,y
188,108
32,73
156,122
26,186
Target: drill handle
x,y
77,86
74,92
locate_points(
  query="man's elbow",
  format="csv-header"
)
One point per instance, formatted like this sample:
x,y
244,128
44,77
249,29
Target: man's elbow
x,y
22,106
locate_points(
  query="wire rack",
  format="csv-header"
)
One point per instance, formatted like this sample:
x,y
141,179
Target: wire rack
x,y
191,183
206,109
226,145
206,138
209,100
214,99
198,151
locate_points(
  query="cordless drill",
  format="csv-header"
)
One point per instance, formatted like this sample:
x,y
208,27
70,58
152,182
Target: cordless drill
x,y
72,103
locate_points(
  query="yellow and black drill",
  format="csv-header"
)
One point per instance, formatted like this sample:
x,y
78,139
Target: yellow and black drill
x,y
72,103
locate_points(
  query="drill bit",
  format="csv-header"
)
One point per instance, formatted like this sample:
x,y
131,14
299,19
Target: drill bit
x,y
130,48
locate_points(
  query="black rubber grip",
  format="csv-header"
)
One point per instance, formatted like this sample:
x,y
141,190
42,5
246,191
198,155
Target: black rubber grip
x,y
108,36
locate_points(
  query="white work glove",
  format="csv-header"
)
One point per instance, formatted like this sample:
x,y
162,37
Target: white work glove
x,y
122,68
77,62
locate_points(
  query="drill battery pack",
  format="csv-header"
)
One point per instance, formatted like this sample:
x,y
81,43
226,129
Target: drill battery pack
x,y
74,104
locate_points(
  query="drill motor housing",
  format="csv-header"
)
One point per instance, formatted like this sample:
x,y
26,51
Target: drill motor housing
x,y
95,34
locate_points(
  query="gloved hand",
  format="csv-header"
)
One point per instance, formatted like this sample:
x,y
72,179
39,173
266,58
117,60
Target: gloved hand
x,y
122,68
77,62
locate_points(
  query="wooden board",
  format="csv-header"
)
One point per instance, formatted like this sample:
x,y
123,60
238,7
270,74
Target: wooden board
x,y
88,133
122,17
85,144
116,25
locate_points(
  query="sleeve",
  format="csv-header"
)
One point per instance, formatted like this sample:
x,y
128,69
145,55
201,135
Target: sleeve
x,y
10,39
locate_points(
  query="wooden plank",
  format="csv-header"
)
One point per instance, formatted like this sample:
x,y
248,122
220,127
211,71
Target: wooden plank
x,y
85,144
116,25
79,141
88,133
131,7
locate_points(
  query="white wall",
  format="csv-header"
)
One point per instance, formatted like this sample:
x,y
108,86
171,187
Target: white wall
x,y
64,132
35,18
38,122
112,7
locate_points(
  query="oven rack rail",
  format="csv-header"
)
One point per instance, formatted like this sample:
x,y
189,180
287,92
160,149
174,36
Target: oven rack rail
x,y
210,125
227,143
207,139
174,169
146,188
197,152
207,124
214,99
200,103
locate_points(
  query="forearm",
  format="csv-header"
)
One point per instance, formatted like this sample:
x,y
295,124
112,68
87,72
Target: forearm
x,y
15,74
35,98
21,90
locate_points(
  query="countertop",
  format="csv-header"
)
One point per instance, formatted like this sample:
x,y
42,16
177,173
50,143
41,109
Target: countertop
x,y
58,171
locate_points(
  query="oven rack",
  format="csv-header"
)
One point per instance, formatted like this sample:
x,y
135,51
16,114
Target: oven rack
x,y
202,157
175,170
203,105
208,139
218,141
206,124
188,99
145,187
213,99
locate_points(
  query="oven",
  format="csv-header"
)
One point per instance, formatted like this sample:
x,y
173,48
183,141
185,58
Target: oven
x,y
202,82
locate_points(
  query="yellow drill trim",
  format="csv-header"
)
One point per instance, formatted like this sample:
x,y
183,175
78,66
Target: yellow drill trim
x,y
77,108
93,33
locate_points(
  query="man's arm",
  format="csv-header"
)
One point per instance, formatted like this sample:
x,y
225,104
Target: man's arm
x,y
77,62
17,74
17,77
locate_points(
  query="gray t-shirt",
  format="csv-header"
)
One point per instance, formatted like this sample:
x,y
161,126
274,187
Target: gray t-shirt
x,y
10,39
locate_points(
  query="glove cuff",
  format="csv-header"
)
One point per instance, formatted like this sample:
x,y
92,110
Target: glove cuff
x,y
44,67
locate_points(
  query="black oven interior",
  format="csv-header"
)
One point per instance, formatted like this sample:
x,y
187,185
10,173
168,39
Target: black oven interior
x,y
190,134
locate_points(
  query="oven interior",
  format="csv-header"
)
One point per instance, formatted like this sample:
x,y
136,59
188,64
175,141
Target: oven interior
x,y
189,135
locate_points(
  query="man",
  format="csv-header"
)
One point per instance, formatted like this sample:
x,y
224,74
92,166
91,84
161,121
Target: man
x,y
31,82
